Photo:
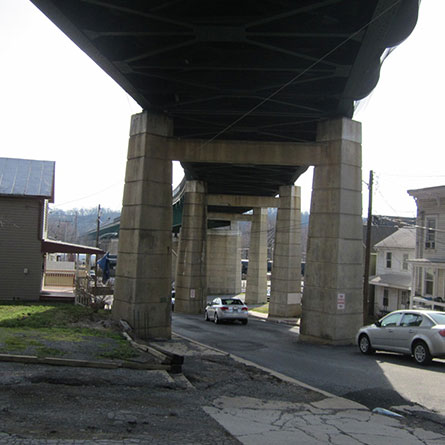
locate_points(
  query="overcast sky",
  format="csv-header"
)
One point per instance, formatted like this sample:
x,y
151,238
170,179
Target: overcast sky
x,y
56,104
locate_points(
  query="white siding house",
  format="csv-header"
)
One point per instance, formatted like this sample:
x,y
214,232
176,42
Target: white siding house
x,y
392,281
429,263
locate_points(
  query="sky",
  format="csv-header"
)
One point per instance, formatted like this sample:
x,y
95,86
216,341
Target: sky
x,y
56,104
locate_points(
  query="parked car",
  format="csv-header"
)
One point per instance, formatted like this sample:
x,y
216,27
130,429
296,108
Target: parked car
x,y
226,309
420,333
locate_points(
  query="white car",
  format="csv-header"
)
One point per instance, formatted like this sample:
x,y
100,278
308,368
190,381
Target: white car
x,y
420,333
226,309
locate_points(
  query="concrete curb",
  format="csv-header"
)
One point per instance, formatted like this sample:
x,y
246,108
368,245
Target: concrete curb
x,y
265,317
283,377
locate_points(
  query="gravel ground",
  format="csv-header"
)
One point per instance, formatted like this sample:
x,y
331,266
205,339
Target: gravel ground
x,y
41,404
48,404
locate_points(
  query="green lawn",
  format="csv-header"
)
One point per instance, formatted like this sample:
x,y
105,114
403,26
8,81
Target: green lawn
x,y
264,309
46,330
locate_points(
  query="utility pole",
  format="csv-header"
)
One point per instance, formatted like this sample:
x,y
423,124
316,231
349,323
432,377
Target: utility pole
x,y
75,226
367,253
97,243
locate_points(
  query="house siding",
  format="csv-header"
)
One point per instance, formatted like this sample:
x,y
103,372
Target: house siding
x,y
397,261
393,300
20,244
431,208
440,285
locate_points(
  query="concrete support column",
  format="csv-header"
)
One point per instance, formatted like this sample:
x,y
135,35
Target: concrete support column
x,y
285,295
333,288
142,294
224,260
256,290
191,277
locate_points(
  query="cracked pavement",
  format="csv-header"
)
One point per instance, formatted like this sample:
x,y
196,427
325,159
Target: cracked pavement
x,y
217,400
331,421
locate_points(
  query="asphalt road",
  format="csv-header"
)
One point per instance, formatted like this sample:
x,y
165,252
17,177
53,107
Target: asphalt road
x,y
382,380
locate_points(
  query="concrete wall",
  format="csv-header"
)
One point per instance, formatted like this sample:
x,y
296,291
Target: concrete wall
x,y
223,262
21,260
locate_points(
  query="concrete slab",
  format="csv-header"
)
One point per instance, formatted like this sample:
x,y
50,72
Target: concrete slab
x,y
338,421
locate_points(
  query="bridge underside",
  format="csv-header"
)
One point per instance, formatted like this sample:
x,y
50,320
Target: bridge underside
x,y
239,70
277,82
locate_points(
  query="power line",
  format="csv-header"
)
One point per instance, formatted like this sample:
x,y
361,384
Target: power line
x,y
295,78
92,194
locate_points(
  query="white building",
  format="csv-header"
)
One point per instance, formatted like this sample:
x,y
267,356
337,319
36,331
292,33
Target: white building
x,y
429,263
393,271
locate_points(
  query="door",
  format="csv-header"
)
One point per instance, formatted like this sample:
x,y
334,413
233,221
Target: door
x,y
384,335
409,327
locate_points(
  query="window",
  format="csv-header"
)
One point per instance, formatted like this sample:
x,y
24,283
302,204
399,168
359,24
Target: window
x,y
388,260
405,261
430,235
429,281
232,301
438,318
405,298
391,320
411,320
385,297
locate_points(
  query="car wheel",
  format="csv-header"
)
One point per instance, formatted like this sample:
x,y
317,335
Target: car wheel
x,y
216,318
244,321
206,316
364,345
421,353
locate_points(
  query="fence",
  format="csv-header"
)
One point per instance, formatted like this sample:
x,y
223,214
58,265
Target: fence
x,y
88,294
59,278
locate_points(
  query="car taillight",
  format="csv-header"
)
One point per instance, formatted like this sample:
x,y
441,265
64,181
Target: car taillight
x,y
224,308
244,309
442,332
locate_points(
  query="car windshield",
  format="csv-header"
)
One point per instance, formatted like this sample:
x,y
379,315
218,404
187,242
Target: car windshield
x,y
231,301
438,318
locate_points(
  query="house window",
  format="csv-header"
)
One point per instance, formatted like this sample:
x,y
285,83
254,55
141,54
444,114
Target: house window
x,y
388,260
429,281
405,261
405,298
385,297
430,235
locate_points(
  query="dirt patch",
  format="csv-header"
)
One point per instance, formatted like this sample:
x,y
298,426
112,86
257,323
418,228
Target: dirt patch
x,y
152,406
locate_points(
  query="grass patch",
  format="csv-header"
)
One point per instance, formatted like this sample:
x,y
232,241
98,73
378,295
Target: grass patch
x,y
121,352
46,329
264,309
44,315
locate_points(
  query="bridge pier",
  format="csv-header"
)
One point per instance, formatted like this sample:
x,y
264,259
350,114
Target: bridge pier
x,y
332,298
143,275
285,294
191,278
256,289
224,260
